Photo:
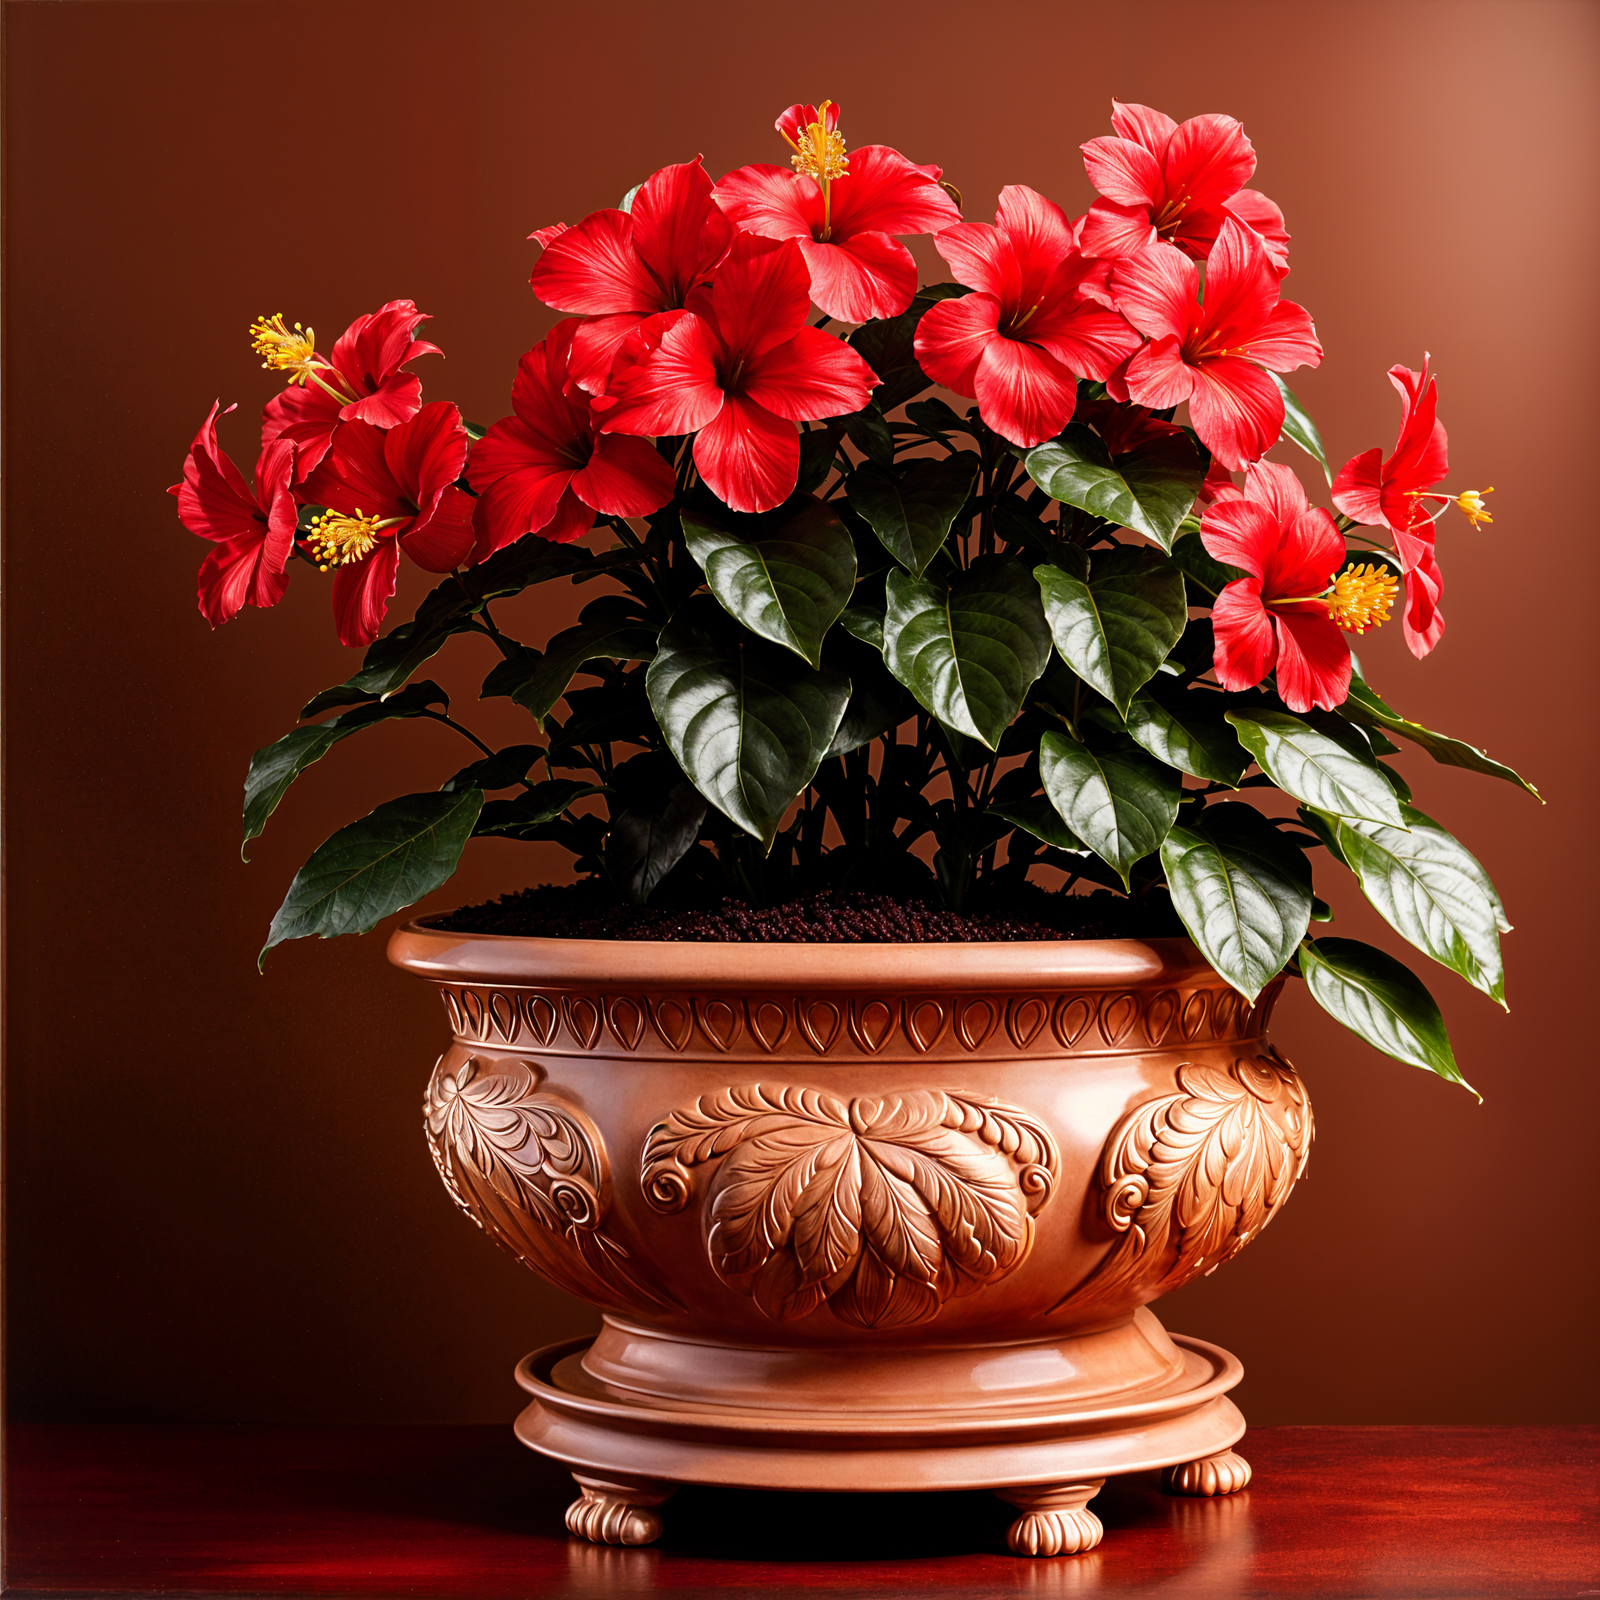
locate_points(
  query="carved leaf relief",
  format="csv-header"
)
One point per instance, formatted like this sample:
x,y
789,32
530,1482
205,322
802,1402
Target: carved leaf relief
x,y
880,1208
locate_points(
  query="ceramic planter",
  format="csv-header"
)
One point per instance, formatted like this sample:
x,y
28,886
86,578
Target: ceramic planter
x,y
869,1217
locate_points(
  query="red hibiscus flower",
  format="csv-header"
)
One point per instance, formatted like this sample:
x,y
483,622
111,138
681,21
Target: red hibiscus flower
x,y
1212,354
387,492
1036,324
1290,612
742,368
1174,181
547,469
1394,494
618,267
844,210
253,533
361,382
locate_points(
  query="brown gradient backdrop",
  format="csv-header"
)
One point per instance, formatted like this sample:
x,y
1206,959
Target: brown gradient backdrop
x,y
220,1203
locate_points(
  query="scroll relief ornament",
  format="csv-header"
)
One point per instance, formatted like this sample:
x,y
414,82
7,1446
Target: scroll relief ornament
x,y
531,1171
882,1208
1189,1179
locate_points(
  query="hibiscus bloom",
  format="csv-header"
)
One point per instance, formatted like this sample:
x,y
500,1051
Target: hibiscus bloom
x,y
253,533
844,210
547,469
1178,182
1212,354
388,491
739,369
362,381
1291,610
619,267
1035,325
1394,494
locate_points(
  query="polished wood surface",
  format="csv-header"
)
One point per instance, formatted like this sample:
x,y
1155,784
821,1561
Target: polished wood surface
x,y
1419,1513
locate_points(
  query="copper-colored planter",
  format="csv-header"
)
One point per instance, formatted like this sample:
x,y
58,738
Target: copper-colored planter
x,y
864,1216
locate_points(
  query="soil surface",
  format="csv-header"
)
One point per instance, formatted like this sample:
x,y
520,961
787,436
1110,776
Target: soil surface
x,y
588,911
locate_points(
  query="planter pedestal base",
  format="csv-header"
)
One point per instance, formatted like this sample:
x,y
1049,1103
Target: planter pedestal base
x,y
635,1413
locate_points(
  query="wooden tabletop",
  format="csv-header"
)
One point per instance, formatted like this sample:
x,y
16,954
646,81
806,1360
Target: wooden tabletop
x,y
1419,1513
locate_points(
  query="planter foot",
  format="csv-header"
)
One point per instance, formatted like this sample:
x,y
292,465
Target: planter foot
x,y
1055,1518
609,1512
1224,1473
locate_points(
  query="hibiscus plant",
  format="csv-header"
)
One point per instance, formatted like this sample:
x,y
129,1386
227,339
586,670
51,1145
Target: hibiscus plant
x,y
848,634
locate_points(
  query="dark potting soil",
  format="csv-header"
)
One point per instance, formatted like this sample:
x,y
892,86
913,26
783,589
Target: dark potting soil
x,y
588,911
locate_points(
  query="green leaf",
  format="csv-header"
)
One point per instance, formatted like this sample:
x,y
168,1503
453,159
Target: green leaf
x,y
1115,630
648,840
869,433
1038,817
1149,490
817,449
878,702
864,623
937,420
503,770
1190,733
969,651
274,767
789,587
1431,890
1118,801
1200,566
1383,1001
1298,426
748,725
400,852
912,515
526,816
1367,708
609,630
1245,902
1315,769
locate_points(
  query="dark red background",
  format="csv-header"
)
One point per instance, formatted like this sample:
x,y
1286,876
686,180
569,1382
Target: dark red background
x,y
220,1206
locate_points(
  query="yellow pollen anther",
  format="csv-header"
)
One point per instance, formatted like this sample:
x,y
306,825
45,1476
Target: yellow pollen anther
x,y
291,350
1472,506
337,541
1360,597
818,153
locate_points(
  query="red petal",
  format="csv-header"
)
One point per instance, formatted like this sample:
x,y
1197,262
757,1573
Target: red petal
x,y
675,388
1240,533
1313,660
237,572
213,500
594,268
1287,340
1253,208
625,477
760,295
1037,228
866,275
595,346
374,347
672,214
395,399
547,236
308,416
980,257
1236,409
510,447
1245,644
354,478
1241,287
1356,490
427,453
361,594
775,202
749,458
1421,455
1157,376
796,119
811,376
1275,486
442,540
1123,171
1024,394
1158,291
1422,624
951,339
518,503
538,392
571,521
1085,337
1113,230
884,193
1308,555
1143,126
1207,159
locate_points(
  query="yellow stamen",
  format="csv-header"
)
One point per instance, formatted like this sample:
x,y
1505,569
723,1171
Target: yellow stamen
x,y
291,350
1471,504
1360,597
337,541
821,155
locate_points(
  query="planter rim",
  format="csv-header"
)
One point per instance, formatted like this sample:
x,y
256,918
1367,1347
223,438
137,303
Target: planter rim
x,y
446,957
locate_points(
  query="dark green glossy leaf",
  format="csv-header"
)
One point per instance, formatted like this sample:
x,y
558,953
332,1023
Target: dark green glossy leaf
x,y
1115,630
1201,567
503,770
1038,817
937,420
1244,901
1298,426
1431,890
748,724
610,630
1149,490
648,839
526,816
878,702
371,868
969,651
1117,800
1188,731
913,514
274,767
865,623
789,587
1382,1001
1314,768
1367,708
817,449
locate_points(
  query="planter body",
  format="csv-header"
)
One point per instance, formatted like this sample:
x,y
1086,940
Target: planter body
x,y
864,1216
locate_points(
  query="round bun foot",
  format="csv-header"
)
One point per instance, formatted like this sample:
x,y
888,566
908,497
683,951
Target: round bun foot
x,y
1225,1473
1055,1519
607,1512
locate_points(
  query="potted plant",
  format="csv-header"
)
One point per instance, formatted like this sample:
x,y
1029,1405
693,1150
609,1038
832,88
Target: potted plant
x,y
870,1132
